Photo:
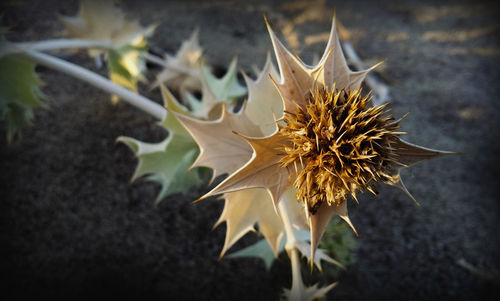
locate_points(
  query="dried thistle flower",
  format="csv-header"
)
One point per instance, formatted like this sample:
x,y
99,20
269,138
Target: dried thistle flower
x,y
328,141
340,145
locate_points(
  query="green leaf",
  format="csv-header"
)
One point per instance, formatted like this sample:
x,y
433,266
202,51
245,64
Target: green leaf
x,y
126,65
338,240
166,163
19,93
263,250
260,249
227,87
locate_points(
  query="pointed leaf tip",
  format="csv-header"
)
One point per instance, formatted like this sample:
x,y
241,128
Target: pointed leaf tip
x,y
410,154
319,221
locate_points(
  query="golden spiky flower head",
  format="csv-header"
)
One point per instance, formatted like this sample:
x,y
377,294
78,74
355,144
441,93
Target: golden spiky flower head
x,y
340,144
328,143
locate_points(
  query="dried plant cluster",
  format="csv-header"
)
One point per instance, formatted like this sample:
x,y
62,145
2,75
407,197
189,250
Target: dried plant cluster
x,y
307,135
340,144
328,140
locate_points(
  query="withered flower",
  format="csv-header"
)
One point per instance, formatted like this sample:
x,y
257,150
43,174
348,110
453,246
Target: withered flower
x,y
326,142
340,144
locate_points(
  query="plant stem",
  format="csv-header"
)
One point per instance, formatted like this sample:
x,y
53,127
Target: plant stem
x,y
98,81
154,59
81,43
291,239
292,251
165,64
61,44
297,283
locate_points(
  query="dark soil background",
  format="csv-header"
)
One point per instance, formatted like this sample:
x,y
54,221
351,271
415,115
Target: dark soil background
x,y
72,226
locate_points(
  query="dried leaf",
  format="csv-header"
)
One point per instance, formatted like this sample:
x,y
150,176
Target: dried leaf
x,y
262,171
220,148
410,154
297,78
262,249
296,214
264,105
242,210
183,72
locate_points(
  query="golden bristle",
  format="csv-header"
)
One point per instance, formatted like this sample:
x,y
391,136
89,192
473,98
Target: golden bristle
x,y
342,144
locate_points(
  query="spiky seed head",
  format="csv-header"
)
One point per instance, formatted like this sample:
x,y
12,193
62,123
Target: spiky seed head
x,y
339,144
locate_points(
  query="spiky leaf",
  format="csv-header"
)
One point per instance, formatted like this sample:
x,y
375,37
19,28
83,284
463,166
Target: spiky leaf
x,y
214,92
261,250
126,64
182,71
307,293
242,210
226,87
168,161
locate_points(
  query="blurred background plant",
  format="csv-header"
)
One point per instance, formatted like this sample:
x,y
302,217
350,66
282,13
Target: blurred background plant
x,y
340,243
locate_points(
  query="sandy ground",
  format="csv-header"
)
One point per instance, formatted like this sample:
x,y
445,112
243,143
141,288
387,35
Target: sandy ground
x,y
72,227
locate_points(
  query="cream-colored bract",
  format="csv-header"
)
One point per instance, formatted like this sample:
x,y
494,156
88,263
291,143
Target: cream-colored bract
x,y
245,208
220,148
264,105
